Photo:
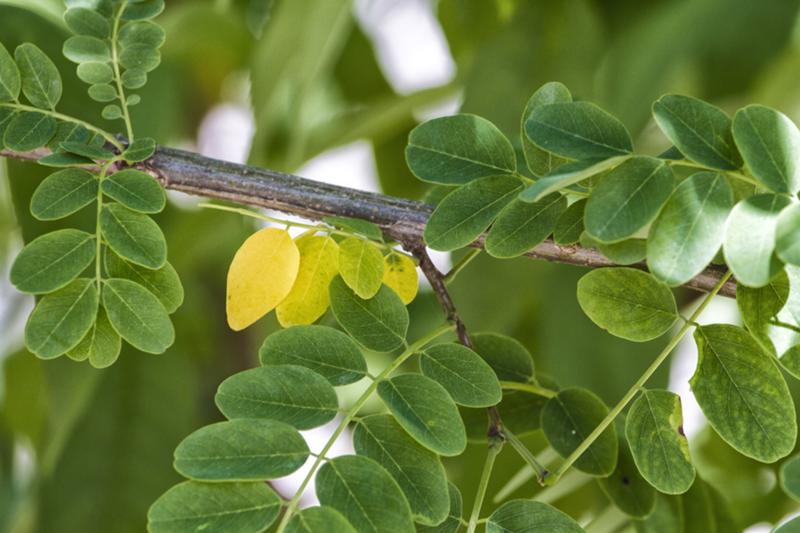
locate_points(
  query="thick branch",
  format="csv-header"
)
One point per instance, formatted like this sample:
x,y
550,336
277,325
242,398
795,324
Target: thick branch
x,y
402,220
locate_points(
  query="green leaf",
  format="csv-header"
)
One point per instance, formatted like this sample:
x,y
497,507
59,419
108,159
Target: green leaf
x,y
628,198
468,379
143,10
135,190
133,236
569,225
143,33
111,112
64,159
627,252
701,131
83,49
318,519
568,418
292,394
365,494
28,131
568,174
101,344
52,261
467,211
61,319
356,225
10,80
6,117
520,412
138,316
84,21
134,78
790,360
688,233
425,410
361,266
164,282
758,306
626,488
743,394
628,303
509,359
86,150
453,521
140,150
243,449
527,516
749,241
103,92
792,526
324,350
140,57
379,324
41,82
654,428
458,149
787,235
521,225
417,471
770,146
217,507
790,477
578,130
539,161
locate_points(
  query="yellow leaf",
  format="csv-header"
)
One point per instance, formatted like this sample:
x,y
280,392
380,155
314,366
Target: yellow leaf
x,y
261,276
308,300
361,266
400,274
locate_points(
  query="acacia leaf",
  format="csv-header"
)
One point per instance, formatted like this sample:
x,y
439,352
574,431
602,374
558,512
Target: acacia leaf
x,y
539,161
509,359
164,283
41,82
787,235
567,175
101,344
569,225
85,21
522,225
135,190
528,516
10,79
309,298
138,316
400,275
133,236
317,519
28,131
468,379
52,260
63,193
361,266
626,488
790,477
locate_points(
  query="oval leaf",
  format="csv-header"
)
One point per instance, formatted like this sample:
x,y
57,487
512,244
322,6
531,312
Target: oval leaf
x,y
63,193
317,519
521,225
164,283
308,299
539,161
626,488
790,477
453,521
41,82
469,380
101,344
400,275
135,190
569,225
758,306
361,266
53,260
567,175
527,516
509,359
10,80
133,236
138,316
28,131
787,235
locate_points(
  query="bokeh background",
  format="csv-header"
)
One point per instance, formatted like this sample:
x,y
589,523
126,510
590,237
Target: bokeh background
x,y
329,89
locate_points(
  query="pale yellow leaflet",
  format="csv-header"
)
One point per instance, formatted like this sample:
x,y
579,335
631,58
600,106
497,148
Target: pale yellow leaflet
x,y
400,275
308,299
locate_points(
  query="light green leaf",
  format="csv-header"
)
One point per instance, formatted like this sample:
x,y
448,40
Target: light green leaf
x,y
139,150
787,235
701,131
62,193
654,428
379,324
84,21
792,526
143,10
10,80
217,507
7,115
456,150
626,488
568,418
138,316
770,145
292,394
539,161
144,33
41,82
453,521
361,266
61,319
627,252
578,130
140,57
425,410
28,131
103,92
688,233
627,302
569,174
521,225
324,350
101,344
319,519
569,225
164,282
135,190
509,359
365,494
134,78
417,471
758,306
133,236
749,242
790,477
468,379
111,112
790,360
628,198
743,394
83,49
467,211
52,261
95,73
527,516
244,449
356,225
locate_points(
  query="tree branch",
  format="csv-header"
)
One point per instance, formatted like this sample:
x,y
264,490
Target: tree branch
x,y
402,220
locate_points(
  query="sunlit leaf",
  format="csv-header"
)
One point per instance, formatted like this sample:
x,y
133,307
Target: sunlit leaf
x,y
309,298
84,21
567,175
10,80
361,266
787,235
400,275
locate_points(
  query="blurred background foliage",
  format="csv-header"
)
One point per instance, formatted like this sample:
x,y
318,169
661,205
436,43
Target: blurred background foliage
x,y
83,450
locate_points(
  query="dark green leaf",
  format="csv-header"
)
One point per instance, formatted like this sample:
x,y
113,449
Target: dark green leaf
x,y
787,235
95,72
521,225
509,359
29,131
426,412
743,394
467,211
84,21
101,344
569,225
164,283
456,150
86,150
626,488
568,418
53,260
63,193
539,161
627,302
527,516
143,33
568,174
217,507
83,49
133,236
140,150
356,225
790,477
41,82
6,116
64,159
135,190
318,519
10,80
379,324
468,378
137,315
453,521
292,394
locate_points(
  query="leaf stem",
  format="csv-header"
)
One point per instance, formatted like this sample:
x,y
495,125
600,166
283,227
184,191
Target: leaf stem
x,y
583,446
531,388
98,274
117,76
491,455
351,414
524,452
458,267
